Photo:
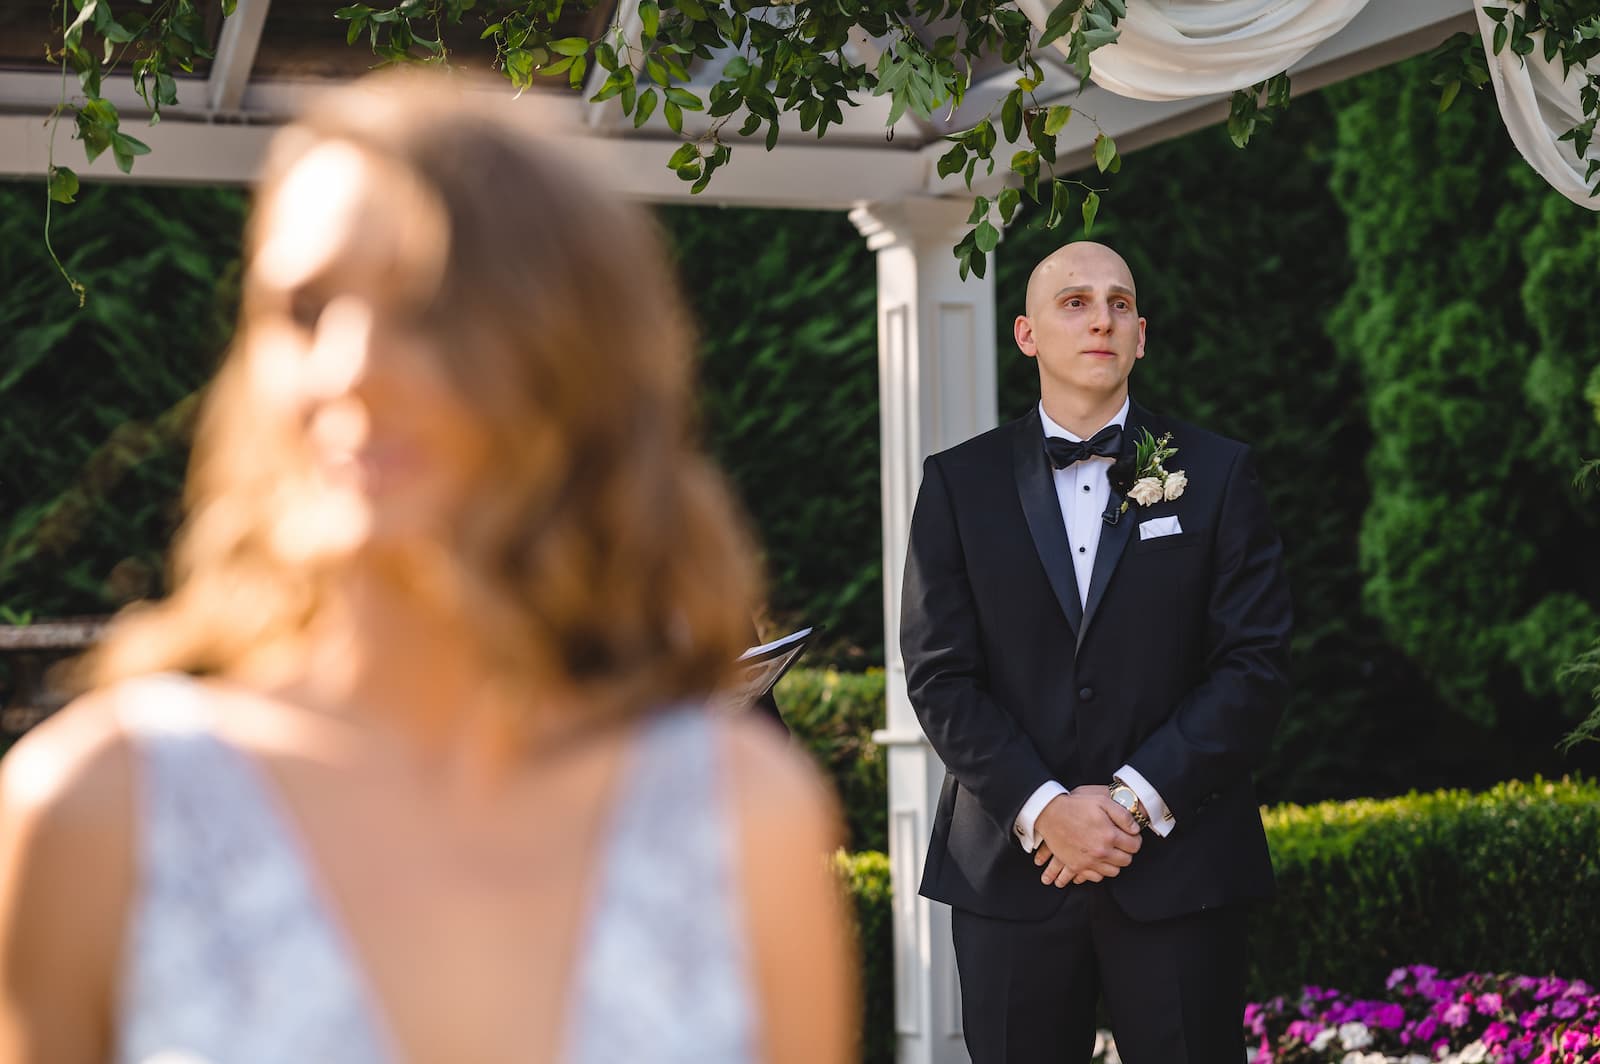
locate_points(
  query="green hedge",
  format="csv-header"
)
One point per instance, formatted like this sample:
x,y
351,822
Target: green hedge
x,y
866,876
834,715
1505,880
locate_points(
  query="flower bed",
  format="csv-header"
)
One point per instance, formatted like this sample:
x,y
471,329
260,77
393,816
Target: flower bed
x,y
1497,1019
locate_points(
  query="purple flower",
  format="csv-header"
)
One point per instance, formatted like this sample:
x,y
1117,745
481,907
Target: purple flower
x,y
1549,988
1427,1028
1496,1033
1456,1015
1396,977
1565,1009
1489,1004
1391,1017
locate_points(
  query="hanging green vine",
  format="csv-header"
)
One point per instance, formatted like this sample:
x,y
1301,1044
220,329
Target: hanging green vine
x,y
787,56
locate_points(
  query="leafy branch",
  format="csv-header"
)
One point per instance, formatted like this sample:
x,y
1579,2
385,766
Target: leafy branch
x,y
780,57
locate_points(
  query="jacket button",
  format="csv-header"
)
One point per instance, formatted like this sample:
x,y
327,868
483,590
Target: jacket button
x,y
1086,694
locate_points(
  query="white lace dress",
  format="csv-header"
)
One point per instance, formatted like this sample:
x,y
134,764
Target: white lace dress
x,y
233,956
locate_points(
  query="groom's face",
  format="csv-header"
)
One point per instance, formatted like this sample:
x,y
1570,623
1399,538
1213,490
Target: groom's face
x,y
1083,322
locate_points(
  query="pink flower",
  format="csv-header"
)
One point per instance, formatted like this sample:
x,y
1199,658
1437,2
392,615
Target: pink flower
x,y
1456,1015
1496,1033
1489,1004
1426,1029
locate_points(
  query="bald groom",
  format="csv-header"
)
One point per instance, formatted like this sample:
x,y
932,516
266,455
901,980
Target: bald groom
x,y
1095,636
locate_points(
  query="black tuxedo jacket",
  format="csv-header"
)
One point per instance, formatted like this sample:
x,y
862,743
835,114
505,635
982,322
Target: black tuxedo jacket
x,y
1176,666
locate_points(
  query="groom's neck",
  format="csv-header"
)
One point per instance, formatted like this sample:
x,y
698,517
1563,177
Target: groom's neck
x,y
1083,415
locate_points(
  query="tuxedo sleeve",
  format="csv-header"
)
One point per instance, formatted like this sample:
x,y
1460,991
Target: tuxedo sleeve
x,y
946,673
1223,727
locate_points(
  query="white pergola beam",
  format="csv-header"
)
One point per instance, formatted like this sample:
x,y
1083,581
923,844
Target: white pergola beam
x,y
236,55
807,176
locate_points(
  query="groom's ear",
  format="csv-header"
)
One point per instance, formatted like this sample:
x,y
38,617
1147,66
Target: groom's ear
x,y
1022,332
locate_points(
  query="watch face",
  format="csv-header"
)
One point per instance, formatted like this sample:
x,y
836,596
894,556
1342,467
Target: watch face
x,y
1123,797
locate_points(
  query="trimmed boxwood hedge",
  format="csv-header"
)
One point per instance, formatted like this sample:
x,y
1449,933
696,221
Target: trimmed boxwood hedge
x,y
1504,880
833,714
866,876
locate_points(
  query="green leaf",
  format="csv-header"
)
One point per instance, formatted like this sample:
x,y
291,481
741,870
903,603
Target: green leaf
x,y
980,210
647,107
63,184
1011,115
1105,151
693,9
1448,96
1056,119
685,99
1091,207
685,154
1501,34
124,148
736,68
612,87
952,161
573,46
987,237
1010,200
229,7
650,18
674,116
1060,201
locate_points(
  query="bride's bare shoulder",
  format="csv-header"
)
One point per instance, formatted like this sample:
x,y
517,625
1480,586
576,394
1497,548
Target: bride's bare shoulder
x,y
73,772
772,779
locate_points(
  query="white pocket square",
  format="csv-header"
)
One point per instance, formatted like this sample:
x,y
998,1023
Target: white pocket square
x,y
1157,527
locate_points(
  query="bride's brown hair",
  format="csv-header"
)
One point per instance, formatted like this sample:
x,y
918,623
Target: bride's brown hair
x,y
603,552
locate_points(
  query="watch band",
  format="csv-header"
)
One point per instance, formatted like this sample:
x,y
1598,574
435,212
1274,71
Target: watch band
x,y
1140,817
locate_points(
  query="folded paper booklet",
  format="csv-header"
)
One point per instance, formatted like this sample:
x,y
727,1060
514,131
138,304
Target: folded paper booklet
x,y
763,666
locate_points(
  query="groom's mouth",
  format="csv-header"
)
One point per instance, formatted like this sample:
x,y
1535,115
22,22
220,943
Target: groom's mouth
x,y
1101,354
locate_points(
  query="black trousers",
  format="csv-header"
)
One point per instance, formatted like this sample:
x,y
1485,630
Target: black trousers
x,y
1174,988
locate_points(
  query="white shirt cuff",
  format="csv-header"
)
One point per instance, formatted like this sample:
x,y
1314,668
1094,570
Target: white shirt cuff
x,y
1031,810
1161,821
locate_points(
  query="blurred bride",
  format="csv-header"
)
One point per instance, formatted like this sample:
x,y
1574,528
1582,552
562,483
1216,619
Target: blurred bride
x,y
414,764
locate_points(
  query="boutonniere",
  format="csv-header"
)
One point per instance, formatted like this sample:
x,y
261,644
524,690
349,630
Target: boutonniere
x,y
1144,476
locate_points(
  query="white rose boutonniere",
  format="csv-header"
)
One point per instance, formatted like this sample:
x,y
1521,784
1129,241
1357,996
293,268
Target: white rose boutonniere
x,y
1146,491
1152,481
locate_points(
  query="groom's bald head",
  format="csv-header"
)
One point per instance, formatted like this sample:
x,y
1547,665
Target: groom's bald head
x,y
1080,262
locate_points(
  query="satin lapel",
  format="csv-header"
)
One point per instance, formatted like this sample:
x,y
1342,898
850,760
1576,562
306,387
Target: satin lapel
x,y
1036,485
1113,538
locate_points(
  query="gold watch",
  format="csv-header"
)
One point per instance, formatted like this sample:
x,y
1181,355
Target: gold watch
x,y
1126,797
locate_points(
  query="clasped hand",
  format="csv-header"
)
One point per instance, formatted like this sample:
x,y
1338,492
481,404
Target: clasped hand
x,y
1084,837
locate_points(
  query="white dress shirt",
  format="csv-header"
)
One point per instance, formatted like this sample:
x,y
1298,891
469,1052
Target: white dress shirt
x,y
1083,489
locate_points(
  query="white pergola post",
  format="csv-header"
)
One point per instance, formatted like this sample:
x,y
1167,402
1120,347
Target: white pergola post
x,y
936,387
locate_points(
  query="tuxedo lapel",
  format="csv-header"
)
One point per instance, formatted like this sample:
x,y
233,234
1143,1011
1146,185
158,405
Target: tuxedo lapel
x,y
1036,486
1114,537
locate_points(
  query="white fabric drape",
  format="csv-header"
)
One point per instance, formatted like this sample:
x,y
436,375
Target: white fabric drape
x,y
1538,106
1181,49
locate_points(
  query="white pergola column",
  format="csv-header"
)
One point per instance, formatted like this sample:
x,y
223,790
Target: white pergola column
x,y
936,387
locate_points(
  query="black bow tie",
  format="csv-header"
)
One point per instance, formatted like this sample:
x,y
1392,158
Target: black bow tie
x,y
1107,443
